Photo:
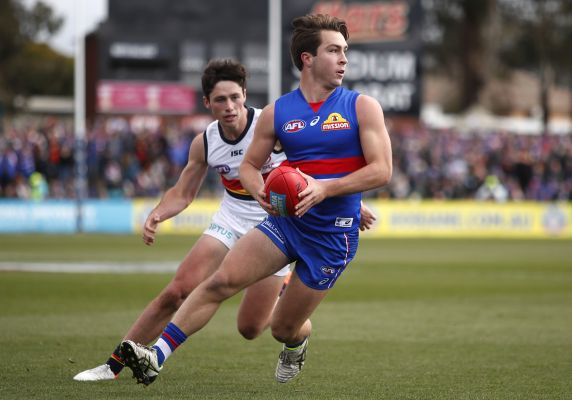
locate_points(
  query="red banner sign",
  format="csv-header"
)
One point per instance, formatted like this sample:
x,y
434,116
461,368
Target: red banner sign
x,y
114,97
369,21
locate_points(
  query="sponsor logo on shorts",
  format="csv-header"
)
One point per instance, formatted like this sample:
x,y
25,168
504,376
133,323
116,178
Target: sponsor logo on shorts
x,y
269,226
328,270
344,222
324,281
293,126
220,230
335,122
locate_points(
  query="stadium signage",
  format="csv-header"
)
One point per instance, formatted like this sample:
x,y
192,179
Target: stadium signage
x,y
373,21
382,66
136,51
141,97
395,218
384,57
388,76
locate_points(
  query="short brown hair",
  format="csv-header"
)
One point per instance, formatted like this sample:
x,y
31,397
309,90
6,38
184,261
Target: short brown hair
x,y
222,70
306,36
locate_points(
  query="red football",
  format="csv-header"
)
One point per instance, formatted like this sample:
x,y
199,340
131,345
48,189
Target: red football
x,y
282,187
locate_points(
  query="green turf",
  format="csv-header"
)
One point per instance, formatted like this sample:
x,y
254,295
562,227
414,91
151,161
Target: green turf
x,y
410,319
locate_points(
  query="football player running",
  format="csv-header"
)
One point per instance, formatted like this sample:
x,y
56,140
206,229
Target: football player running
x,y
346,152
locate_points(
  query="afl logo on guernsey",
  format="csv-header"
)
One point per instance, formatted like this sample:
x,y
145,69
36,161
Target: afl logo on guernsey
x,y
335,122
293,126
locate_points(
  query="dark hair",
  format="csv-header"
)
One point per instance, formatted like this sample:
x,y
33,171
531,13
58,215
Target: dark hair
x,y
306,36
222,70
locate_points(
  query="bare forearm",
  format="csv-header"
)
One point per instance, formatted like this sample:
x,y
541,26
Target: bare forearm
x,y
370,177
251,179
171,204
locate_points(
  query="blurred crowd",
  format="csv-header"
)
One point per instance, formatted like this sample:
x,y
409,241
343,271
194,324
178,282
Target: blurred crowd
x,y
37,161
496,165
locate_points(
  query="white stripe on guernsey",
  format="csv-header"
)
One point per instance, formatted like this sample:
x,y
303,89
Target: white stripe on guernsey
x,y
164,346
339,271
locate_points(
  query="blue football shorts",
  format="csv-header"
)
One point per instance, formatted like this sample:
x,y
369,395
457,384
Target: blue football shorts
x,y
320,257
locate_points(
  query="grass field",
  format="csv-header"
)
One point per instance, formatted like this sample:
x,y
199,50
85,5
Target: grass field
x,y
410,319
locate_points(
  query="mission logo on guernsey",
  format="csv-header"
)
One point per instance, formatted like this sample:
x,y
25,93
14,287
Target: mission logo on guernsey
x,y
335,122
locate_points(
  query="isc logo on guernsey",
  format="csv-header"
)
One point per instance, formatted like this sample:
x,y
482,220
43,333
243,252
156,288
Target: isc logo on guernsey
x,y
293,126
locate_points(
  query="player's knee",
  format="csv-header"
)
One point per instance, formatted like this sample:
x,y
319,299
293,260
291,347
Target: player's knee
x,y
249,331
220,287
173,296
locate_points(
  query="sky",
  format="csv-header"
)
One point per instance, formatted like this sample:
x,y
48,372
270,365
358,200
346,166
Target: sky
x,y
83,15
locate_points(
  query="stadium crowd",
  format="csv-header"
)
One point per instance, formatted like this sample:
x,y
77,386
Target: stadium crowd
x,y
497,165
37,162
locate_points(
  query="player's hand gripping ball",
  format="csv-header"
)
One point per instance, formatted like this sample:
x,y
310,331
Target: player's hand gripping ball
x,y
282,187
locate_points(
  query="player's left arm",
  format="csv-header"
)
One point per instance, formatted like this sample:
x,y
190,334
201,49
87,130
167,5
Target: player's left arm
x,y
376,148
263,141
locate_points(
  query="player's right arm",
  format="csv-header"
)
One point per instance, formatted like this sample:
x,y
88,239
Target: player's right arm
x,y
259,150
178,197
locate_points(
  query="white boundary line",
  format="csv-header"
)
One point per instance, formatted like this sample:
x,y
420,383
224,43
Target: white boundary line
x,y
90,267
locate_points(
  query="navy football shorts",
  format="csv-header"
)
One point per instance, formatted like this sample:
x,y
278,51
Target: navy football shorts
x,y
320,257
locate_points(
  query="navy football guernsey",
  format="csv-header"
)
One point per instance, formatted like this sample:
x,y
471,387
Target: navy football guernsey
x,y
325,145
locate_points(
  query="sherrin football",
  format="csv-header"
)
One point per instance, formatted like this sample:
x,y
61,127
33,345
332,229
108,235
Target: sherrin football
x,y
282,187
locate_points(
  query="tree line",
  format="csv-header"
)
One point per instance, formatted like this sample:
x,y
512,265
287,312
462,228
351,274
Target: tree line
x,y
473,42
28,65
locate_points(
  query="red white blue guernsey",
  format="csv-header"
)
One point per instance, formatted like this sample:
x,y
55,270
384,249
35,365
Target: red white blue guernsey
x,y
325,145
